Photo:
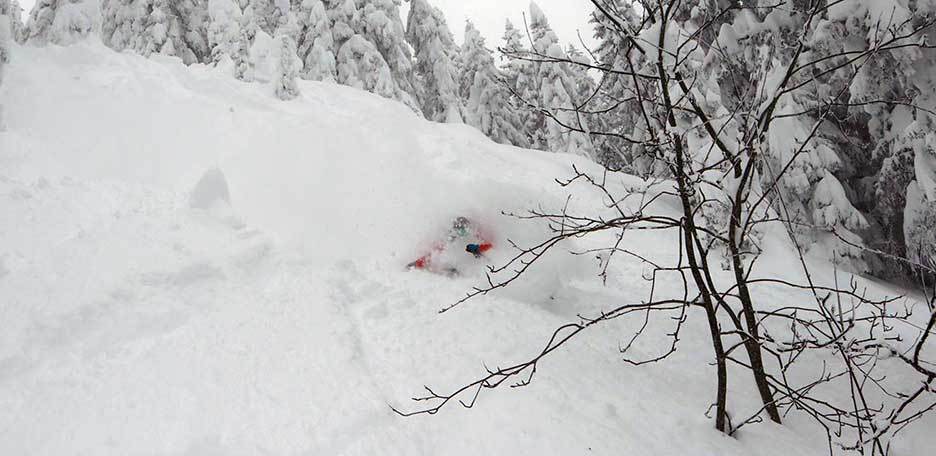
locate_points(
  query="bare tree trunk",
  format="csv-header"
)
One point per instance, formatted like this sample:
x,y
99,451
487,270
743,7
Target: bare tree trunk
x,y
752,338
690,234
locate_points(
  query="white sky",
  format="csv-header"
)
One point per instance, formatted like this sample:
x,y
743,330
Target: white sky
x,y
567,17
27,6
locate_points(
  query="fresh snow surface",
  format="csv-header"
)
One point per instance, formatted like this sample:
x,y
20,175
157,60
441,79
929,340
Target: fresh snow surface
x,y
190,266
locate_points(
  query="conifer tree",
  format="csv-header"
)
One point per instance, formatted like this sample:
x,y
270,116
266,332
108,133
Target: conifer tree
x,y
191,30
224,31
382,24
513,47
368,36
156,29
316,46
616,98
168,27
14,14
344,18
360,65
584,85
287,68
436,52
144,26
553,86
487,99
266,15
62,22
6,38
122,22
519,74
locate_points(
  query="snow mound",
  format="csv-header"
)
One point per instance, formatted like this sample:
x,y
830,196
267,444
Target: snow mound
x,y
210,191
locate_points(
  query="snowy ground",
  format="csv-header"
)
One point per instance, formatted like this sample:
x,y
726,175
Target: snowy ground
x,y
144,314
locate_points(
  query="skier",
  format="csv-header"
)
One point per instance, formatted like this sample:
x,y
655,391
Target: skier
x,y
462,230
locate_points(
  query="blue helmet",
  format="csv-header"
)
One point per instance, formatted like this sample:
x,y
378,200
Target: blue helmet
x,y
461,227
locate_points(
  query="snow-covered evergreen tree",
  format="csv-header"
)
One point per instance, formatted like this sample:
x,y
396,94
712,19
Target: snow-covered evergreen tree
x,y
224,32
63,21
8,11
158,36
6,38
360,65
584,85
189,30
487,99
286,21
513,46
316,46
6,27
368,36
899,153
248,22
864,174
859,175
287,68
167,27
382,25
13,12
344,18
241,58
616,99
266,14
436,52
919,138
545,87
519,76
919,215
123,23
553,87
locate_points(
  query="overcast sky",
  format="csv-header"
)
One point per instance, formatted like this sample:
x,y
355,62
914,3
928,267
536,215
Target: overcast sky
x,y
567,17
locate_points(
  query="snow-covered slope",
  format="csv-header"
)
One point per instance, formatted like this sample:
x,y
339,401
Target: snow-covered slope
x,y
189,266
